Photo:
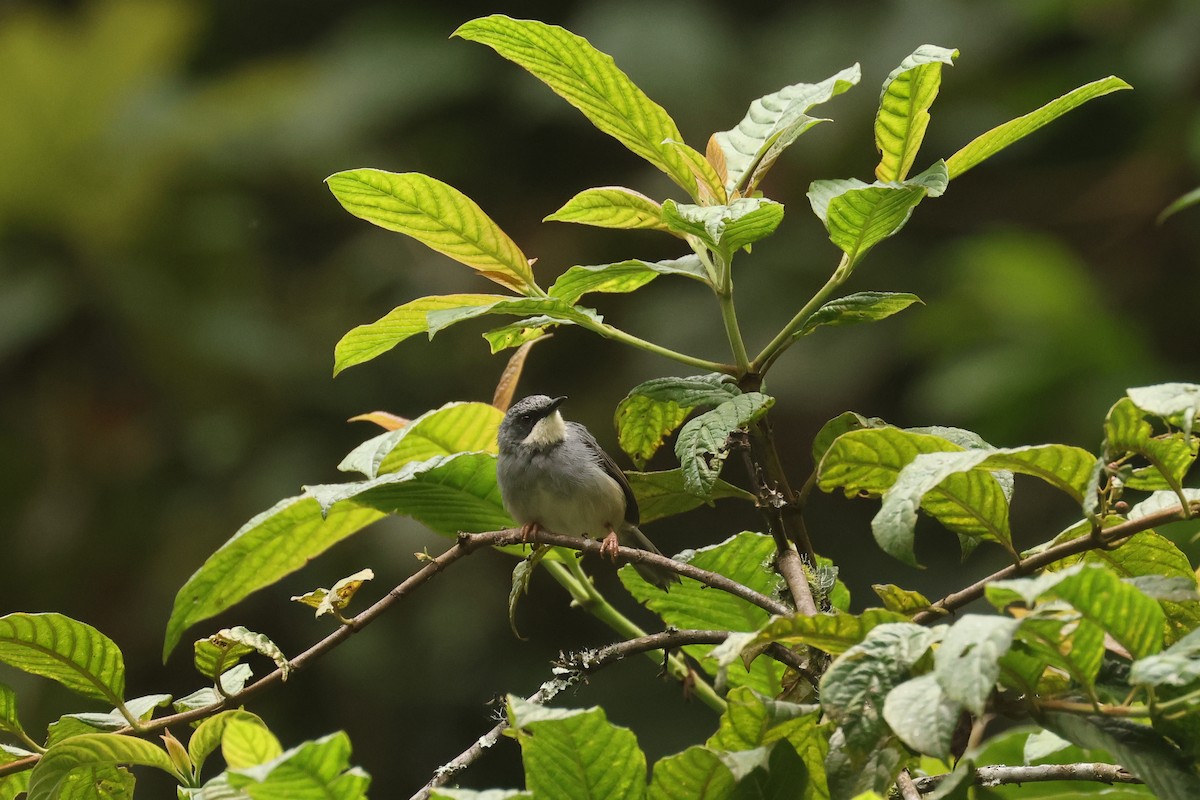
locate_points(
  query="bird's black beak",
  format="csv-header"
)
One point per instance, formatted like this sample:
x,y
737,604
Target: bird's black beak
x,y
555,403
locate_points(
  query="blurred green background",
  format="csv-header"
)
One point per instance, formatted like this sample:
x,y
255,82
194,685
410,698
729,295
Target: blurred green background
x,y
174,275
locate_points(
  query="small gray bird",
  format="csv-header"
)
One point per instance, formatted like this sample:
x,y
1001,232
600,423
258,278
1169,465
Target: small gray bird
x,y
554,475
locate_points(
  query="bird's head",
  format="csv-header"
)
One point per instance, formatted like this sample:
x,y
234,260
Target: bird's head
x,y
533,422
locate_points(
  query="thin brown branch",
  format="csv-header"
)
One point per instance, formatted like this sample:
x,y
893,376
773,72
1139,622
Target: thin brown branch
x,y
908,789
584,662
466,544
1108,537
999,775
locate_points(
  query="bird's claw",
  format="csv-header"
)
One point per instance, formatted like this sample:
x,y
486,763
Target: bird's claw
x,y
609,546
528,532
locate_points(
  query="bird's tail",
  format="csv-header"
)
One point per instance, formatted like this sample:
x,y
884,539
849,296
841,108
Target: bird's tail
x,y
632,536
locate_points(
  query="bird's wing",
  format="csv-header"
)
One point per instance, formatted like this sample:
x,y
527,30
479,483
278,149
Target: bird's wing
x,y
632,515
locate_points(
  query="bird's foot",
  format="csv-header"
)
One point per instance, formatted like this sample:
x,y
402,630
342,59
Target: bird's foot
x,y
529,531
609,546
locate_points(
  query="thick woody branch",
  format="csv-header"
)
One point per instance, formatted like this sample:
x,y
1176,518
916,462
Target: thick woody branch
x,y
1106,538
996,776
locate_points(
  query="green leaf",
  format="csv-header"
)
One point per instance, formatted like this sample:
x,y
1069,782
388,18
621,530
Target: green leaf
x,y
611,207
653,409
1138,748
1177,403
248,743
232,681
273,544
859,215
725,228
521,575
904,104
863,773
695,774
68,725
518,333
843,423
365,342
336,598
590,81
8,712
91,782
988,144
1178,665
1124,612
57,647
901,601
709,189
623,276
448,493
552,307
691,604
1126,431
453,428
701,446
209,733
54,772
486,794
835,633
318,769
967,664
752,720
576,753
664,494
783,775
856,308
772,123
923,715
437,215
1179,204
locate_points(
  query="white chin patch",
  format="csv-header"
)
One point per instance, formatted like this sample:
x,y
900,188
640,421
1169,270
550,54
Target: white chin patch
x,y
547,431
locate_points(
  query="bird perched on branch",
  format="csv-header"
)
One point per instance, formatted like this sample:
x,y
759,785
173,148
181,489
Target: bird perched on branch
x,y
553,475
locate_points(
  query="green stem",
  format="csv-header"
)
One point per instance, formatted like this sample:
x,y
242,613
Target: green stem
x,y
609,332
729,316
29,742
577,582
785,338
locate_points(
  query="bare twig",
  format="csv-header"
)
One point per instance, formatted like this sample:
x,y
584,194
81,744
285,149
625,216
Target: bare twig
x,y
998,775
908,790
1107,537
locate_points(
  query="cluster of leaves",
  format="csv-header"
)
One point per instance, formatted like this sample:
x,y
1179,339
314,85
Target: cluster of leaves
x,y
1100,650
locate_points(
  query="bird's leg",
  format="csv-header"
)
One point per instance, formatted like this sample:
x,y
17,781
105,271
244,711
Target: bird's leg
x,y
609,546
529,531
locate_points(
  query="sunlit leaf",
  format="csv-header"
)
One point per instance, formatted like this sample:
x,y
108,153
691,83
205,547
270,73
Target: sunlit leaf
x,y
65,650
843,423
590,81
334,599
773,122
1177,403
453,428
923,715
273,544
652,410
54,771
709,188
435,214
519,333
317,769
697,773
623,276
1171,455
208,734
901,601
856,308
725,228
835,632
967,664
702,446
988,144
611,207
248,743
904,104
1178,665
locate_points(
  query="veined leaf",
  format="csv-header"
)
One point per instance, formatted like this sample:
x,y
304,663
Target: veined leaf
x,y
518,333
54,769
208,734
248,743
437,215
725,228
772,123
834,633
901,601
701,446
843,423
552,307
364,342
573,753
611,207
76,655
709,188
1178,665
273,544
653,409
988,144
697,773
858,307
453,428
967,664
221,651
1177,403
317,769
448,493
691,605
443,793
1170,455
623,276
859,215
923,715
904,104
663,494
589,80
8,711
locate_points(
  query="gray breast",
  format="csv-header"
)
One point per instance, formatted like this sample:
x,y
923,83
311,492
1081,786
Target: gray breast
x,y
563,489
